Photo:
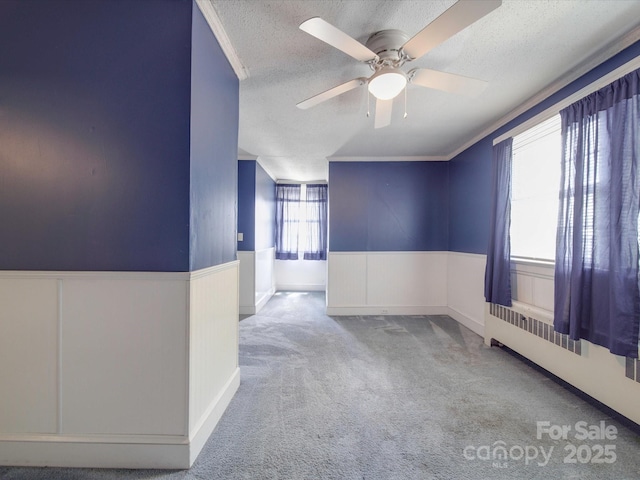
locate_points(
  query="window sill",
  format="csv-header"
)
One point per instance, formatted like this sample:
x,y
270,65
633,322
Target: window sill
x,y
529,310
533,268
533,261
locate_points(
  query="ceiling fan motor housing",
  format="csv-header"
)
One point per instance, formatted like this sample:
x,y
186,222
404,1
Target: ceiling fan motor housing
x,y
387,44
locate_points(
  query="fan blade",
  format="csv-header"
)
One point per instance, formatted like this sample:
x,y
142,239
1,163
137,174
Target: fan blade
x,y
383,113
332,92
458,17
448,82
337,38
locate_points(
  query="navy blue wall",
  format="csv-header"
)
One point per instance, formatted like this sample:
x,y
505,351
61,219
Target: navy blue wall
x,y
94,135
469,200
256,206
247,204
214,150
265,210
388,206
470,194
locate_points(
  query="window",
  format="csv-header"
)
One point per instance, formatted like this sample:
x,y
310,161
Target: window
x,y
535,185
301,225
316,222
596,256
287,221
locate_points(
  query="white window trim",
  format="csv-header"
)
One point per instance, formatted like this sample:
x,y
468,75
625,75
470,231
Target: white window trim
x,y
536,262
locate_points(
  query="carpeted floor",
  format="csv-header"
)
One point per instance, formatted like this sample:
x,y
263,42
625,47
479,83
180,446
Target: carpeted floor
x,y
394,397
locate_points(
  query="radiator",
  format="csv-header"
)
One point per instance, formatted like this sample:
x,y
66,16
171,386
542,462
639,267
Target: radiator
x,y
535,326
610,379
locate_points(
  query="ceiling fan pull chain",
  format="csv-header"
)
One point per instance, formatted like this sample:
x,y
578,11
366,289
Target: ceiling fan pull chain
x,y
368,101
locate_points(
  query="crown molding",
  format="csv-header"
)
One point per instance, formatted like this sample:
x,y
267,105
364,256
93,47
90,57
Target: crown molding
x,y
389,159
299,182
603,55
257,160
211,16
601,82
268,172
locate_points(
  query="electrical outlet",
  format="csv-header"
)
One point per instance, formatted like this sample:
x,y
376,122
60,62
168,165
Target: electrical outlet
x,y
385,311
240,236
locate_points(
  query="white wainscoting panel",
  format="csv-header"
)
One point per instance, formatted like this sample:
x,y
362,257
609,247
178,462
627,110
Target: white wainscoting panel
x,y
28,355
407,279
213,347
347,280
124,355
301,275
465,289
378,283
257,279
115,369
264,277
247,280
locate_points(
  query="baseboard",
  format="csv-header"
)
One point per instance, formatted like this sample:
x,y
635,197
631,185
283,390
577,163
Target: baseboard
x,y
91,452
253,309
297,287
474,325
205,427
388,310
263,301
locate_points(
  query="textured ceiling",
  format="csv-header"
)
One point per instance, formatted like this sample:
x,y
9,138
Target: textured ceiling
x,y
521,49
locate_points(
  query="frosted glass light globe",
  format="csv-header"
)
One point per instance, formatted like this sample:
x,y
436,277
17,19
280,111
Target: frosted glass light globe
x,y
387,83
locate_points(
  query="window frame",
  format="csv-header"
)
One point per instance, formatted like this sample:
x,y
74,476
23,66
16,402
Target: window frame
x,y
552,128
301,220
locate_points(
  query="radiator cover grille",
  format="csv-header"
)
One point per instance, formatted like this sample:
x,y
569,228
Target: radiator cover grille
x,y
536,327
632,370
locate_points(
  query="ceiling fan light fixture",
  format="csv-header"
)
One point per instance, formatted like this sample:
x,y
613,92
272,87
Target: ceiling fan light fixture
x,y
387,83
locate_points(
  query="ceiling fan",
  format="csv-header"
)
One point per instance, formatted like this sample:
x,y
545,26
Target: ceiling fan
x,y
388,50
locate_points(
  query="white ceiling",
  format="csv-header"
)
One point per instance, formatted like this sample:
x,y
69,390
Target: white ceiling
x,y
525,49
